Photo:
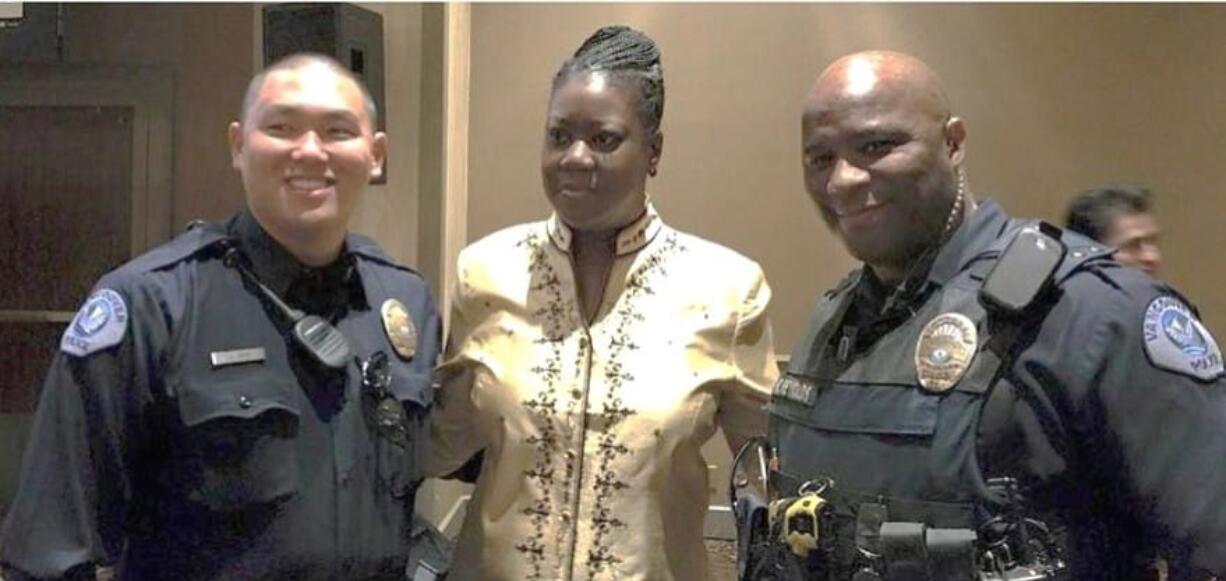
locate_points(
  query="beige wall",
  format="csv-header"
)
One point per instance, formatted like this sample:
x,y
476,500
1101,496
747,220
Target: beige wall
x,y
213,50
1057,98
389,211
208,47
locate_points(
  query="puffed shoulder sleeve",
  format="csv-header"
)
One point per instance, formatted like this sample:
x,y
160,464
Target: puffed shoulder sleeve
x,y
454,437
1154,418
75,485
753,364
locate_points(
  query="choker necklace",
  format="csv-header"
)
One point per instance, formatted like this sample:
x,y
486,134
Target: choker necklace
x,y
927,256
956,209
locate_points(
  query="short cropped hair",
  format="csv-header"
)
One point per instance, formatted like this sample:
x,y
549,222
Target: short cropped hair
x,y
303,60
1092,211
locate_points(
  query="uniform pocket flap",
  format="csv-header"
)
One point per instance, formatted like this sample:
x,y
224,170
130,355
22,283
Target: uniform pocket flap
x,y
869,409
240,396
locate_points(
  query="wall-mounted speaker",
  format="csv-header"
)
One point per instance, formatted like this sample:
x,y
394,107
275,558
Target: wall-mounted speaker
x,y
29,32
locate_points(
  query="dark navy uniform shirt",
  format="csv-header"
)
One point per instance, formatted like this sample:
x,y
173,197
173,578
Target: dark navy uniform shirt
x,y
1113,417
182,435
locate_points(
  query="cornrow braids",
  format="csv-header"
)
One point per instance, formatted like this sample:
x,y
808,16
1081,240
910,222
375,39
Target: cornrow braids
x,y
625,54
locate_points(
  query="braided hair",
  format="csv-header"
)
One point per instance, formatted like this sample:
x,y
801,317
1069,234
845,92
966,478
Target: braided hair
x,y
625,54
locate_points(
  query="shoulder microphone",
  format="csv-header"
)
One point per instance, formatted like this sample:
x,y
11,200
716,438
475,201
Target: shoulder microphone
x,y
311,332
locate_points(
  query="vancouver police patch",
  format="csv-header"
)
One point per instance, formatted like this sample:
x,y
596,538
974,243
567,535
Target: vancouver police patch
x,y
99,324
1176,341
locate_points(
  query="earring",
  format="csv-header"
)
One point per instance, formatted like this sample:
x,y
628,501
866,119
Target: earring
x,y
651,171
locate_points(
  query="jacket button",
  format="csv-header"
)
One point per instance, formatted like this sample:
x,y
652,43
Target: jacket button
x,y
244,401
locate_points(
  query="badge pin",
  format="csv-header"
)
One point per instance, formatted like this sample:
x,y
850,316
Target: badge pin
x,y
399,327
944,351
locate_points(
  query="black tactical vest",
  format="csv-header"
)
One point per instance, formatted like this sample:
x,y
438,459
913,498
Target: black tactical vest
x,y
891,449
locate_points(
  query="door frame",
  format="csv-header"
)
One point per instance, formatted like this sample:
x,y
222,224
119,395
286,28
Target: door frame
x,y
149,91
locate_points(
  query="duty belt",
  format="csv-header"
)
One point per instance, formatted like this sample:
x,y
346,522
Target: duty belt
x,y
826,534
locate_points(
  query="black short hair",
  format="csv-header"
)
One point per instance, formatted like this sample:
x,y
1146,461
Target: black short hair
x,y
301,60
626,54
1092,211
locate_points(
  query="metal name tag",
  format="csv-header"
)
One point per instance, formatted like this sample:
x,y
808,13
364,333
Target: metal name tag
x,y
237,357
795,389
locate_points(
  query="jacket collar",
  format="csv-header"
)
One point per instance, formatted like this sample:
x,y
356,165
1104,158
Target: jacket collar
x,y
976,233
631,238
279,270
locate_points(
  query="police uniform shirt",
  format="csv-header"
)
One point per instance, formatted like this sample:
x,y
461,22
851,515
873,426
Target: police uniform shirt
x,y
593,432
1112,415
182,435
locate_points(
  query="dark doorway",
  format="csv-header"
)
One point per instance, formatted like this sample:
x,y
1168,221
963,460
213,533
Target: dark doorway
x,y
84,180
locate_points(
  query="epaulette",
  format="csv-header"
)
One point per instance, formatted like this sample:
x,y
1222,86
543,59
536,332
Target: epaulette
x,y
198,238
367,248
1025,277
1082,251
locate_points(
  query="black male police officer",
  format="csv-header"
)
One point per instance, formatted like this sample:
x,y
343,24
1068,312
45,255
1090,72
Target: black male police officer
x,y
988,398
246,401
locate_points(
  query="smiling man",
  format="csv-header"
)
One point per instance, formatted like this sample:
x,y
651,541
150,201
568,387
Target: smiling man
x,y
248,400
987,397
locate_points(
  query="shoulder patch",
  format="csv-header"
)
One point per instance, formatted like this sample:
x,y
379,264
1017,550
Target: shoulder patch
x,y
1176,341
100,323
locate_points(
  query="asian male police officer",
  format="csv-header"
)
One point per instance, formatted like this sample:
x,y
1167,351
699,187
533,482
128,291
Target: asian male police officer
x,y
247,401
988,397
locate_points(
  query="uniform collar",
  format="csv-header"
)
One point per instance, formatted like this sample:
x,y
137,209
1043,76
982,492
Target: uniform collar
x,y
969,240
278,269
631,238
976,233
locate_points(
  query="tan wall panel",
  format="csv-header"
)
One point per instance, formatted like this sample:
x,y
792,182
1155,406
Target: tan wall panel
x,y
209,48
1057,98
388,212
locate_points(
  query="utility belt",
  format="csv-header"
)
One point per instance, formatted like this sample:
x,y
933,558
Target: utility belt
x,y
819,533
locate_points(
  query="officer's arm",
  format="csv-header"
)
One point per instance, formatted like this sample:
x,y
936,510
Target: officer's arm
x,y
75,482
754,368
1155,418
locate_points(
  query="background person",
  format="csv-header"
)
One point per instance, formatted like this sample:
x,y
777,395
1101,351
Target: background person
x,y
1120,216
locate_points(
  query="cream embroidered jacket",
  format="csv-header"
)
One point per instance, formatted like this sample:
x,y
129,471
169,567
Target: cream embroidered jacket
x,y
592,433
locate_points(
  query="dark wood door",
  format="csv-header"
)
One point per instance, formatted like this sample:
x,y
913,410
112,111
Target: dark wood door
x,y
66,181
81,150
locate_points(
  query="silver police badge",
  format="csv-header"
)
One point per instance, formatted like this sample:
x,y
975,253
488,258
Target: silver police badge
x,y
945,350
399,328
